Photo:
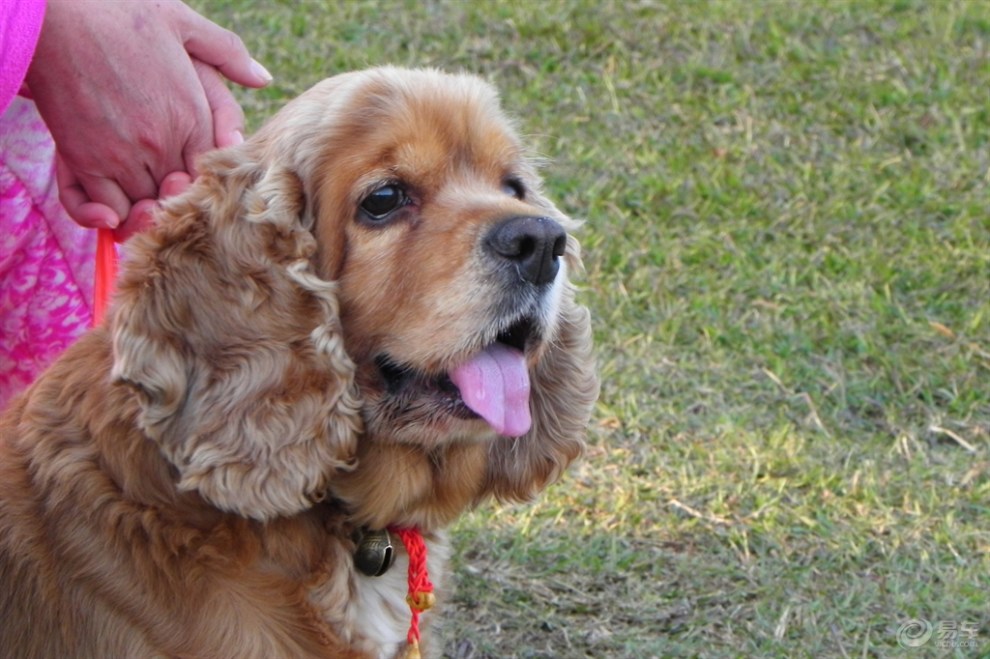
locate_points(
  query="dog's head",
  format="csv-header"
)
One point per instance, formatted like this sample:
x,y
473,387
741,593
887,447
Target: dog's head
x,y
377,264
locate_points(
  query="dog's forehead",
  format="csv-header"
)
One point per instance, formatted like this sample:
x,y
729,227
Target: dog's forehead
x,y
425,120
474,149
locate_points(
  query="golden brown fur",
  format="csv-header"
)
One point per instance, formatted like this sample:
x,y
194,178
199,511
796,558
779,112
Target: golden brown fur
x,y
186,480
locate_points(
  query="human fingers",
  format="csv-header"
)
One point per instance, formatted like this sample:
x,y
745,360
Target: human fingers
x,y
137,220
210,43
97,200
228,118
77,203
108,192
175,183
142,212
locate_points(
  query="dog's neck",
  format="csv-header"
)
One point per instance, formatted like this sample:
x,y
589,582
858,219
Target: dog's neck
x,y
408,486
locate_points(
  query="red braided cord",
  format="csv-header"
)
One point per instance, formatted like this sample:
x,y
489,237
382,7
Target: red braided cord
x,y
420,588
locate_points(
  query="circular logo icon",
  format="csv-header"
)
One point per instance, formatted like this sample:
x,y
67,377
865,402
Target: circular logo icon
x,y
914,633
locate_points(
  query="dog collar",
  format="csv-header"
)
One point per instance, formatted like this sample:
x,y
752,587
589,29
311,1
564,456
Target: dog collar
x,y
375,555
420,595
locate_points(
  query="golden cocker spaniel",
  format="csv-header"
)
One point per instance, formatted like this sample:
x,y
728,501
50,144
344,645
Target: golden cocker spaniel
x,y
356,323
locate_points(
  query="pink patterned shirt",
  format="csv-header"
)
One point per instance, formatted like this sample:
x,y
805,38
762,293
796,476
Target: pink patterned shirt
x,y
46,259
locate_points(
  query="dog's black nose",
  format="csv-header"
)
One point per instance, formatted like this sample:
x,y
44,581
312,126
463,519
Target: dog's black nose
x,y
533,244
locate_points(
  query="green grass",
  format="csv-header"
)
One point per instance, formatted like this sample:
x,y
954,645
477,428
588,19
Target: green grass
x,y
787,257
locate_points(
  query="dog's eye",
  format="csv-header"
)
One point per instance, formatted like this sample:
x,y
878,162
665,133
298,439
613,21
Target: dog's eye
x,y
384,200
514,187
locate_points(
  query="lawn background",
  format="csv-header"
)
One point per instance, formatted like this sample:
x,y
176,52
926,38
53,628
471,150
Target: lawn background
x,y
787,252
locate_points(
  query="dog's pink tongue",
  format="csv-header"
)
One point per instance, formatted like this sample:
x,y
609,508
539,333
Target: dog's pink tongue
x,y
495,385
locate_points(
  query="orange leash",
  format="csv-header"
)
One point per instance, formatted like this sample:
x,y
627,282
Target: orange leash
x,y
420,597
105,275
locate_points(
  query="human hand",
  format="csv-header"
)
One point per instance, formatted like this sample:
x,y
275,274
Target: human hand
x,y
132,91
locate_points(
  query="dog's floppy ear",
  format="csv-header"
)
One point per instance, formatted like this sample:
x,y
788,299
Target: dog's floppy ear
x,y
234,345
564,388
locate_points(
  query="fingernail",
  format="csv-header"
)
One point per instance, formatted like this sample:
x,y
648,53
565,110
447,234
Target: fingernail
x,y
237,138
260,71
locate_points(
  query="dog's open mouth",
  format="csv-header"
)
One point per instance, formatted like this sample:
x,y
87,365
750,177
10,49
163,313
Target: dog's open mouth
x,y
492,384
